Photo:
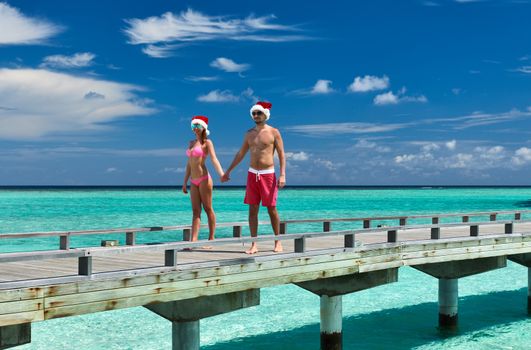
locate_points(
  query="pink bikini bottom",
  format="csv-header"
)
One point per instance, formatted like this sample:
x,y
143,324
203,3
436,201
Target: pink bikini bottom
x,y
198,181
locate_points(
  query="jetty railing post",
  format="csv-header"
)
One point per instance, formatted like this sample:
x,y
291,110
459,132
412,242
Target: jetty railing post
x,y
331,322
474,230
300,245
492,217
391,236
236,231
130,238
366,223
185,335
64,242
466,218
84,265
435,231
448,298
509,228
187,234
517,216
170,257
327,226
349,241
283,228
402,221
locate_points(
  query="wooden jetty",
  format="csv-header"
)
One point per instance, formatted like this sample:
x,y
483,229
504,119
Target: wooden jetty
x,y
184,285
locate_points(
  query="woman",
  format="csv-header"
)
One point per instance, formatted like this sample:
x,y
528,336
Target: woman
x,y
200,181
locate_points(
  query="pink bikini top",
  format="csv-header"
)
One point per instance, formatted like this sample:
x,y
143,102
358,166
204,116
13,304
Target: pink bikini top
x,y
197,151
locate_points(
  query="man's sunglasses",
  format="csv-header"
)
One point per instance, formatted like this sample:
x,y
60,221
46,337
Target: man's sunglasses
x,y
257,113
197,126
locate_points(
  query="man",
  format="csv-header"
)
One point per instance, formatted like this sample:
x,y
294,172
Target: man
x,y
262,184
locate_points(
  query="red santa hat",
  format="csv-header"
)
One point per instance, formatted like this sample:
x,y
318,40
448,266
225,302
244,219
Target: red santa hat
x,y
201,120
264,107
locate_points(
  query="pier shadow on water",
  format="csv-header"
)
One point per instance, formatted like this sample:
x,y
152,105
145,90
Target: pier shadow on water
x,y
523,204
400,328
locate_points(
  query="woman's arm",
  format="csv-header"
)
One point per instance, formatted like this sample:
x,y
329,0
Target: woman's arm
x,y
214,158
186,177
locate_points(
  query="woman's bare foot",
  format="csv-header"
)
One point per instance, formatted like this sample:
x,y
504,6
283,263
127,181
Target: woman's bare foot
x,y
253,250
278,247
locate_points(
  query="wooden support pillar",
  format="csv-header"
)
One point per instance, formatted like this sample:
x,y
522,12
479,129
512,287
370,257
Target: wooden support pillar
x,y
236,231
185,335
366,223
474,230
327,226
466,218
509,228
391,236
448,295
349,241
130,238
84,265
435,231
331,323
403,221
187,234
64,242
517,216
492,217
170,257
283,228
300,245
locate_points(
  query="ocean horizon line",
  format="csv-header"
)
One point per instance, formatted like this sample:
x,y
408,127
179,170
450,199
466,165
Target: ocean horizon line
x,y
230,187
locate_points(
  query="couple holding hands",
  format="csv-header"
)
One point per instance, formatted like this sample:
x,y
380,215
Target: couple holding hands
x,y
262,184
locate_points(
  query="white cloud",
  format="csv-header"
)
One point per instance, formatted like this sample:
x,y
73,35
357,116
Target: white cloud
x,y
387,98
42,103
369,83
218,96
192,27
524,69
391,98
221,96
203,78
297,156
333,129
228,65
522,156
365,144
162,51
322,87
456,91
18,29
77,60
451,145
173,170
111,170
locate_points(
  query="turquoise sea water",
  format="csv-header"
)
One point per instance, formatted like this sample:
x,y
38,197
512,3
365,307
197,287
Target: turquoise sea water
x,y
402,315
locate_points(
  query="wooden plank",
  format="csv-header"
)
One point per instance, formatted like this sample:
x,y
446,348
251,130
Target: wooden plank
x,y
11,307
21,317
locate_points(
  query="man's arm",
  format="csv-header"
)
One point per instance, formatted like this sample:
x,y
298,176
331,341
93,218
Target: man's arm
x,y
279,146
237,159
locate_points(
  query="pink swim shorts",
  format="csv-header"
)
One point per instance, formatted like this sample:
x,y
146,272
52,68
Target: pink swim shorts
x,y
261,186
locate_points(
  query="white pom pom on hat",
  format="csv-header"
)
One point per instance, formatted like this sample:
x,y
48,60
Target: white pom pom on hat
x,y
264,107
201,120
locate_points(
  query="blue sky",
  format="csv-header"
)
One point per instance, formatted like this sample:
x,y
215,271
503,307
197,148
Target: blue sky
x,y
364,92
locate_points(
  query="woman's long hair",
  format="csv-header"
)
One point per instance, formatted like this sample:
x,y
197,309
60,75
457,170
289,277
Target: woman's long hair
x,y
204,136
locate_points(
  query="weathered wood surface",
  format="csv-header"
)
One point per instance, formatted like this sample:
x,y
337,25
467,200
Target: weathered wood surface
x,y
38,290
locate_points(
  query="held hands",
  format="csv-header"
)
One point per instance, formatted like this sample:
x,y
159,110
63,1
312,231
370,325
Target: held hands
x,y
185,189
281,181
225,177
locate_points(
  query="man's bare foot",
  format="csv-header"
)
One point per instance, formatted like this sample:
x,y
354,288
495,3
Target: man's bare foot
x,y
208,247
253,250
278,247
